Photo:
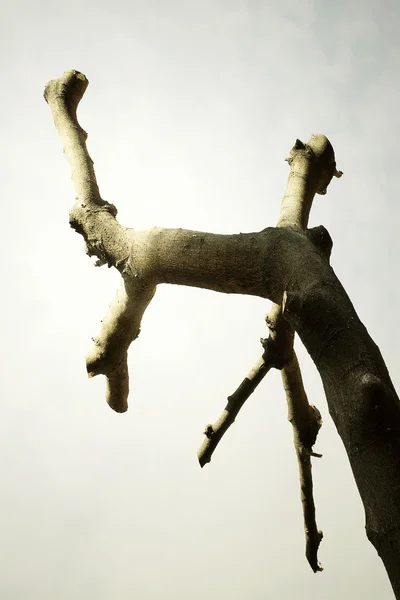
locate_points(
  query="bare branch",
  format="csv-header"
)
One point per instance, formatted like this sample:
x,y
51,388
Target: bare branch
x,y
286,265
312,167
306,422
303,182
105,238
90,213
215,432
63,96
120,327
277,351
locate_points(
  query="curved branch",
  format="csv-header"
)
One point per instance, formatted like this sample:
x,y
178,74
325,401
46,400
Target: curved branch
x,y
90,213
105,238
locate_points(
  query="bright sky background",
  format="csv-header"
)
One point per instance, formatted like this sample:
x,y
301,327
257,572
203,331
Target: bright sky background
x,y
191,109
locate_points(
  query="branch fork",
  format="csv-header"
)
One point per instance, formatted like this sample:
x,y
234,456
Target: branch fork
x,y
312,168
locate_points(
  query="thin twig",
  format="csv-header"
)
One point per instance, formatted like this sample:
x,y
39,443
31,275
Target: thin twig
x,y
277,351
306,422
215,432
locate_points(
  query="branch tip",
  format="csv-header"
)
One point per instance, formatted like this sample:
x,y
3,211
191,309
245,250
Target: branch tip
x,y
312,546
71,87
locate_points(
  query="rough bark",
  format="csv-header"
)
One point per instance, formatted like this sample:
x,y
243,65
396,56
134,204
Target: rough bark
x,y
288,265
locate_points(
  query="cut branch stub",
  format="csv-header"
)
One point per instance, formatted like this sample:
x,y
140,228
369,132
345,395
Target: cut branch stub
x,y
318,149
69,88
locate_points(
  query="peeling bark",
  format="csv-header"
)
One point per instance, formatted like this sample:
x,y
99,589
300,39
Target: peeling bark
x,y
288,265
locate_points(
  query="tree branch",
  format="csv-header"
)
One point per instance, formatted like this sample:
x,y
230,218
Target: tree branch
x,y
312,167
303,183
136,255
277,351
105,238
306,422
285,265
121,325
215,432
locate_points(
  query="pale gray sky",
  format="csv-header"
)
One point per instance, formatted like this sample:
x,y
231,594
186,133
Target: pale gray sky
x,y
191,109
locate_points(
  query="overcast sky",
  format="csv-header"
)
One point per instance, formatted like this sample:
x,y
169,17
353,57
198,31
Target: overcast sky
x,y
191,109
